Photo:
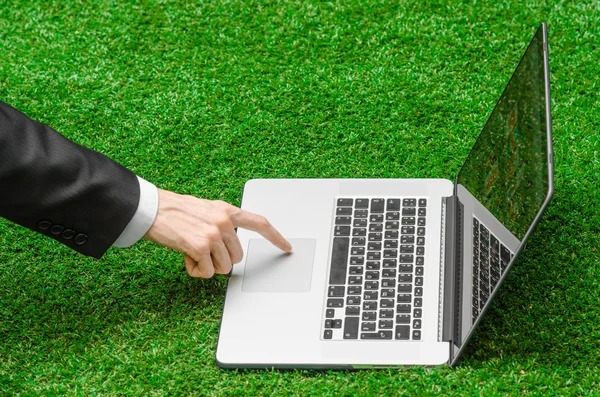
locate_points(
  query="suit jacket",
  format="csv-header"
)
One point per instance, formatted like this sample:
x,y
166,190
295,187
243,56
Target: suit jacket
x,y
61,189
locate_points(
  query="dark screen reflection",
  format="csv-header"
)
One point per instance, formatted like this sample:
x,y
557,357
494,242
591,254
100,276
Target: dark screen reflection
x,y
507,167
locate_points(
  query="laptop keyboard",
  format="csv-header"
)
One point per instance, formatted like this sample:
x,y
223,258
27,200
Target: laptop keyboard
x,y
490,260
375,289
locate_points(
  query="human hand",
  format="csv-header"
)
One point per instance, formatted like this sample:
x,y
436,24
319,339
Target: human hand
x,y
204,231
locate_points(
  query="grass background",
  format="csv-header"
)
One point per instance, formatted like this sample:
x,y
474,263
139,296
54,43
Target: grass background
x,y
198,98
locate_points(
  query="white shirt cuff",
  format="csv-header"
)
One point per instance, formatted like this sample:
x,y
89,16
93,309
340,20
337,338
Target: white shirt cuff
x,y
143,217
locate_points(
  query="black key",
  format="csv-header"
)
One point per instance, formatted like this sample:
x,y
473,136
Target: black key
x,y
369,305
392,225
329,313
359,241
407,240
388,293
418,302
420,240
403,298
377,205
361,203
403,319
419,281
360,223
392,216
367,327
504,254
343,211
404,288
376,237
344,202
372,275
417,324
356,270
419,291
374,246
357,260
391,234
388,273
361,214
356,280
328,323
386,324
376,218
422,202
417,313
339,261
390,253
343,220
405,278
352,311
376,335
406,258
484,233
371,295
420,251
337,323
419,271
407,249
409,202
341,231
354,290
416,334
386,303
388,283
372,285
336,291
359,232
386,313
407,230
409,211
422,212
373,256
421,222
393,204
420,261
420,231
357,251
390,244
369,316
403,332
353,300
387,263
405,268
373,265
406,220
376,227
335,302
403,308
327,334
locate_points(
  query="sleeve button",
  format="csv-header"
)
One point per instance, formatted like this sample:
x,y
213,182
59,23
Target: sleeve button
x,y
56,229
68,234
81,239
44,225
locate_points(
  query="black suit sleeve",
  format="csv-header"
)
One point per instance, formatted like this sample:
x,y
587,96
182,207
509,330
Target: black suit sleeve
x,y
61,189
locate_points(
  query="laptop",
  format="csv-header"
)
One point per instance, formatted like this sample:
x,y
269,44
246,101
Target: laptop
x,y
392,272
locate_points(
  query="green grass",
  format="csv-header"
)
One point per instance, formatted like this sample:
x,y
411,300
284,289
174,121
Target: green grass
x,y
200,98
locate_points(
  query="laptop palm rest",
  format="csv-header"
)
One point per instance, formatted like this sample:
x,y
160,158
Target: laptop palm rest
x,y
268,269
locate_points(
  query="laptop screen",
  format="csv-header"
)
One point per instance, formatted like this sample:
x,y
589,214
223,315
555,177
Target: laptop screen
x,y
507,169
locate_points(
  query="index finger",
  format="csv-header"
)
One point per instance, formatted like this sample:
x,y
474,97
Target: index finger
x,y
261,225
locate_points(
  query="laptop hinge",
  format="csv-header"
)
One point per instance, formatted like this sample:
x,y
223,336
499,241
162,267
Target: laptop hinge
x,y
452,298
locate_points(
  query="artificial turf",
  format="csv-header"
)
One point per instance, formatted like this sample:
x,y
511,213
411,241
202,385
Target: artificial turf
x,y
198,98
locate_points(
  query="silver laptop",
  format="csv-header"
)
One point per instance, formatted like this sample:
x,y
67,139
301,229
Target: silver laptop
x,y
392,272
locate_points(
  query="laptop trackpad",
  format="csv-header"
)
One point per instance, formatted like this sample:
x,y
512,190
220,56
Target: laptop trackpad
x,y
268,269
